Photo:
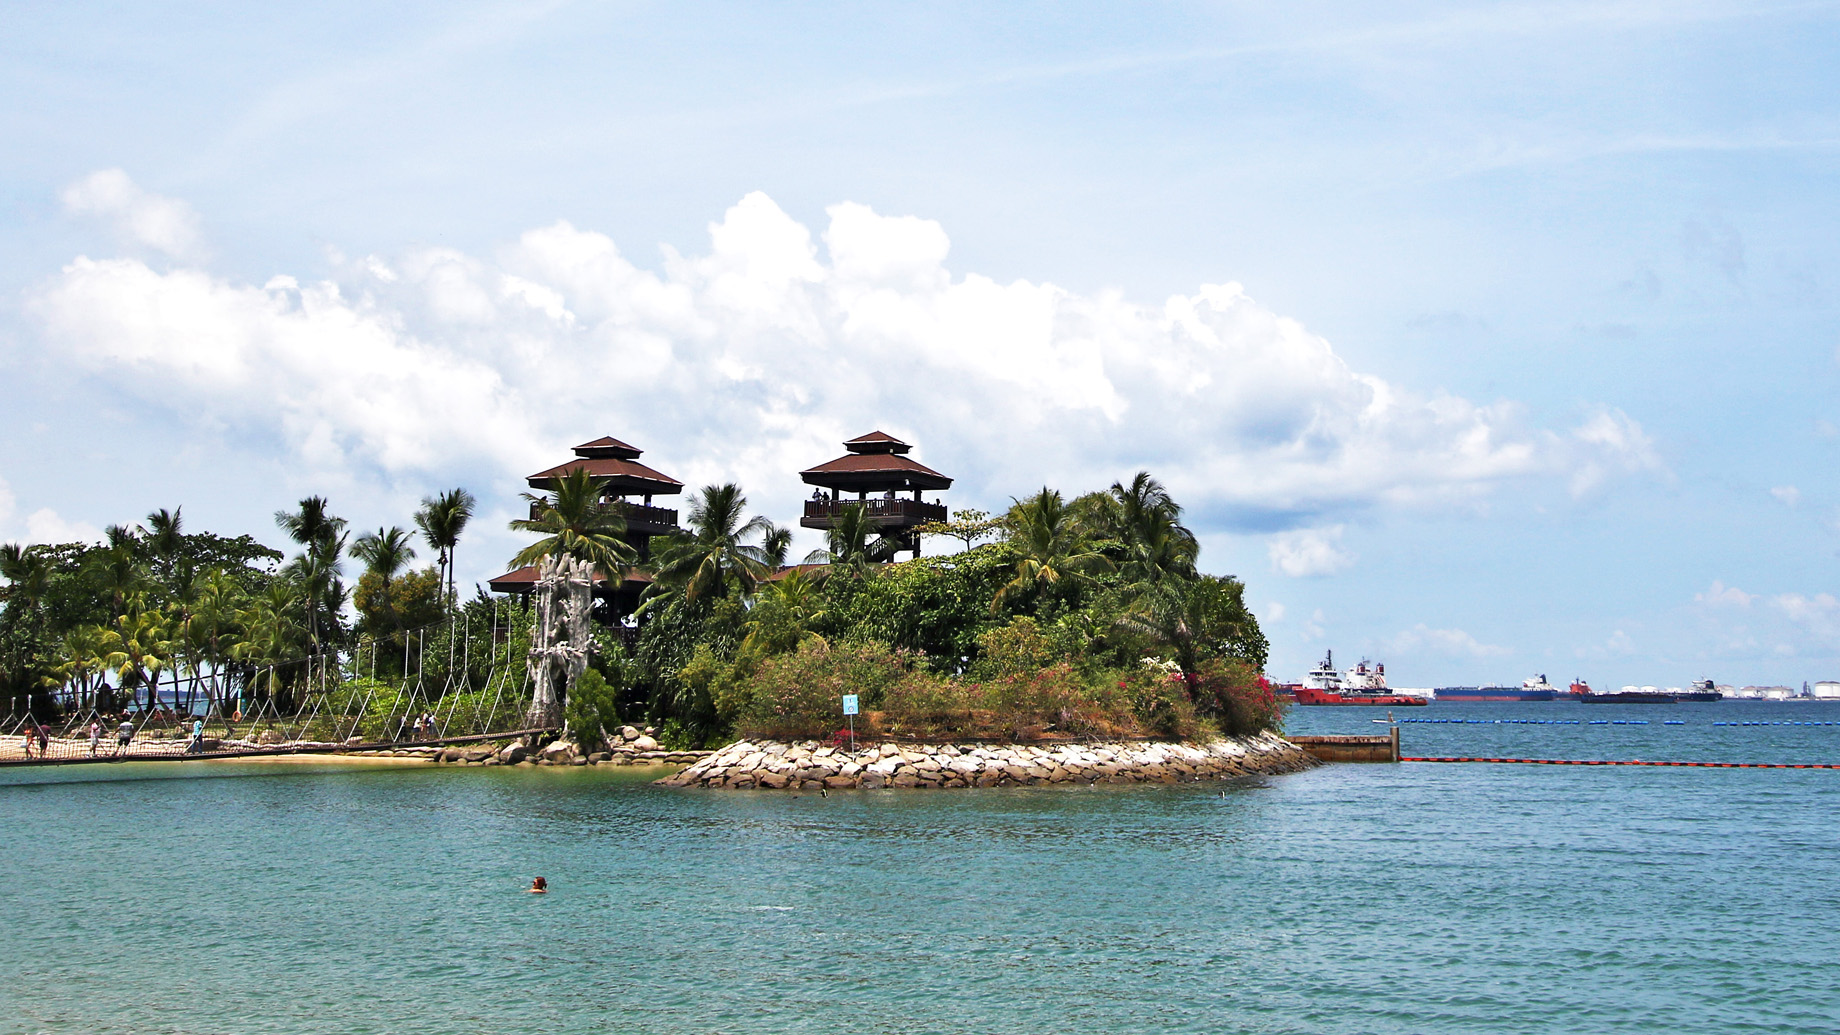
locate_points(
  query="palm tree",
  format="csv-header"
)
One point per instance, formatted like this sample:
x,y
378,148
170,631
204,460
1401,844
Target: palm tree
x,y
1197,619
28,575
118,573
312,523
165,539
1049,547
272,631
853,543
1145,523
442,519
775,544
316,569
784,613
139,650
581,538
385,551
705,561
81,663
213,627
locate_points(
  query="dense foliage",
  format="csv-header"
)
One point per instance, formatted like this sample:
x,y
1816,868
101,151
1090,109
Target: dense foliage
x,y
1077,618
1082,617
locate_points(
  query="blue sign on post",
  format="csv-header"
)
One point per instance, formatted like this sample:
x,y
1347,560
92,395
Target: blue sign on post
x,y
849,704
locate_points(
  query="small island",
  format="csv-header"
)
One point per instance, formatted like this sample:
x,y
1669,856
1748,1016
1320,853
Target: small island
x,y
1069,638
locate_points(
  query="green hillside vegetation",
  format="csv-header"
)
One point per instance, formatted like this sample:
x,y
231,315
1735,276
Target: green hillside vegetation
x,y
1083,617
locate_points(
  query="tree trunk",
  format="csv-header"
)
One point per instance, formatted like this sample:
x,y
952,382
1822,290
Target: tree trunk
x,y
560,637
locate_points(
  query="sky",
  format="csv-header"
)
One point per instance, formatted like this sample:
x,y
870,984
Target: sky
x,y
1479,340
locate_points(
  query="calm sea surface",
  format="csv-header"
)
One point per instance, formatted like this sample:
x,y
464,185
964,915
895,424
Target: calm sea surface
x,y
1412,898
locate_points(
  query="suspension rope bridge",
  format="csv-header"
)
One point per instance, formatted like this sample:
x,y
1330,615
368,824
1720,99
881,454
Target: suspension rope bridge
x,y
325,703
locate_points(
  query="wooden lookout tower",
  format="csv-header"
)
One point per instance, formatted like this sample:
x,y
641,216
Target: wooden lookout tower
x,y
626,485
878,470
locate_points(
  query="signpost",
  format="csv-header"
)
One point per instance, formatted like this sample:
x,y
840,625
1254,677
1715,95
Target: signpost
x,y
849,710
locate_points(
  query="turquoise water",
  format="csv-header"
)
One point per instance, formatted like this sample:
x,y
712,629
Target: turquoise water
x,y
1411,898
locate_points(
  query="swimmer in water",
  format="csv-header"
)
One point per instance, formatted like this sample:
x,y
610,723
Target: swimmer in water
x,y
539,886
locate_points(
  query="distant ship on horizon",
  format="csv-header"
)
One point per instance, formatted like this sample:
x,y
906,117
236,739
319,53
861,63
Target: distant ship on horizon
x,y
1535,689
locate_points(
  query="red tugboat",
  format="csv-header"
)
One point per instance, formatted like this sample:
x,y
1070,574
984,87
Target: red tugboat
x,y
1324,685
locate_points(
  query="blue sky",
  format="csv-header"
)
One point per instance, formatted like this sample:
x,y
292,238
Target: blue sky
x,y
1482,340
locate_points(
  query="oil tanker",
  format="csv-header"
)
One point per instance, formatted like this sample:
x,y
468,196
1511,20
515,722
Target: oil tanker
x,y
1535,689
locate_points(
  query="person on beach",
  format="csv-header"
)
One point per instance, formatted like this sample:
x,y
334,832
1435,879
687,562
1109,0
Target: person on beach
x,y
539,886
124,733
44,740
95,736
197,743
25,740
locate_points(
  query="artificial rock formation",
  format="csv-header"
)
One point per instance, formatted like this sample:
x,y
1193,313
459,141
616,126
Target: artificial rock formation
x,y
560,639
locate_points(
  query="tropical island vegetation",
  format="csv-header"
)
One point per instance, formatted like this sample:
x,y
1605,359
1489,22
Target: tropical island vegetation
x,y
1082,617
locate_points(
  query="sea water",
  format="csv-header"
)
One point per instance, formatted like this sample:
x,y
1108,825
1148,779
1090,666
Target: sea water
x,y
1414,898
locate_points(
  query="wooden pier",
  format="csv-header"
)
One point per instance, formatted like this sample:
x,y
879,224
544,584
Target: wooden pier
x,y
1351,748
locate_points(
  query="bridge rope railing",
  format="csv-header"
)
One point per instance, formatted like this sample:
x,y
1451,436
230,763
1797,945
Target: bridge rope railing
x,y
329,697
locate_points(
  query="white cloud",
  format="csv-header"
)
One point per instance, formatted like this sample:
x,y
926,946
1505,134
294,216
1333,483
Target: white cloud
x,y
44,525
1787,495
1609,443
1721,595
166,225
754,360
41,526
1818,614
1274,613
1309,551
1451,642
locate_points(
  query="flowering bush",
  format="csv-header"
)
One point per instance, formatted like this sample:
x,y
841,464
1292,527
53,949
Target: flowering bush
x,y
1237,697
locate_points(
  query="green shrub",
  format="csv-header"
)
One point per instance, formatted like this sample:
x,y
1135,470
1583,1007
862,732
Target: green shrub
x,y
1012,649
590,709
1161,703
801,694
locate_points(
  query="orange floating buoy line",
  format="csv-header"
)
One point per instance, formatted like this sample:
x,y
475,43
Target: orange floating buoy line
x,y
1687,765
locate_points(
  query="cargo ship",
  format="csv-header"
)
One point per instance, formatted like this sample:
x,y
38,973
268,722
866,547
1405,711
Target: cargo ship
x,y
1629,695
1704,691
1363,685
1535,689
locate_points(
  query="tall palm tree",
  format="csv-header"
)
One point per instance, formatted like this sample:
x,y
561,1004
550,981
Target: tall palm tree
x,y
118,573
385,551
165,539
312,524
214,627
1049,547
1147,525
442,519
711,556
580,538
853,543
775,544
317,568
28,575
273,632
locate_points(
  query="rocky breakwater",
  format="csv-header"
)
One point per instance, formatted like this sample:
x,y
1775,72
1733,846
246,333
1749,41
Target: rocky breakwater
x,y
809,765
630,746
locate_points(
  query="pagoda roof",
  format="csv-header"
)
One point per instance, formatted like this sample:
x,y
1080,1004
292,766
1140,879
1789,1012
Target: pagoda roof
x,y
523,580
871,472
616,475
608,446
876,442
